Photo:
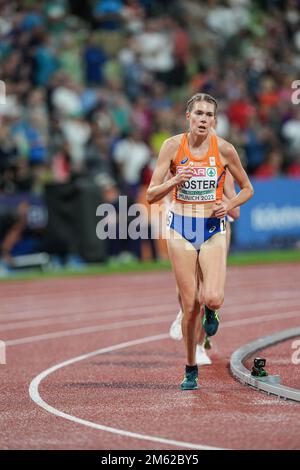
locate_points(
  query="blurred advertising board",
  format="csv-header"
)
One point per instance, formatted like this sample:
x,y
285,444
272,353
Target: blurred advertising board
x,y
36,208
272,217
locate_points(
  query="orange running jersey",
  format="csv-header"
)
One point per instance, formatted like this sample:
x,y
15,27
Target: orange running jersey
x,y
207,183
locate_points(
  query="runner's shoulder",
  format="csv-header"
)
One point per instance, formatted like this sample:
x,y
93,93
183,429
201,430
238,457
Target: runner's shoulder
x,y
225,147
172,144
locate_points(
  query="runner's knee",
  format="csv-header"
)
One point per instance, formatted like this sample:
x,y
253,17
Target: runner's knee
x,y
214,300
190,309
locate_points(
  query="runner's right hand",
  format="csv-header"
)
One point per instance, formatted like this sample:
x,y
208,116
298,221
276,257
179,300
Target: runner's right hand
x,y
185,175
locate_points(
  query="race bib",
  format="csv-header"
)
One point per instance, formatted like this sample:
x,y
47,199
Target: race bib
x,y
223,225
201,187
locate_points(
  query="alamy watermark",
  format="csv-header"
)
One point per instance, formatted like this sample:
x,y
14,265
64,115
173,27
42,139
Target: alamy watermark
x,y
296,94
2,92
2,352
296,354
158,221
135,221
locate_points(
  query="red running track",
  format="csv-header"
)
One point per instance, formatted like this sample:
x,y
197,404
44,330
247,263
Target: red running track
x,y
128,397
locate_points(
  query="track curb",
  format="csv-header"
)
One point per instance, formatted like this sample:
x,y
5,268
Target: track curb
x,y
239,371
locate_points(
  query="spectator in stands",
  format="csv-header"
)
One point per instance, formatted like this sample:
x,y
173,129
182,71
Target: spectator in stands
x,y
94,59
131,154
291,133
12,225
271,167
294,169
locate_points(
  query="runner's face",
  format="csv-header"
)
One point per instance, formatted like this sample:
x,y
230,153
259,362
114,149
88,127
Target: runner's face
x,y
201,118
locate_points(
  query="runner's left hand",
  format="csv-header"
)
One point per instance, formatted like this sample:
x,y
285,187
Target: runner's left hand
x,y
220,209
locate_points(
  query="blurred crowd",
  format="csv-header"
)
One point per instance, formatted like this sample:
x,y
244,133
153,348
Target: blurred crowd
x,y
93,88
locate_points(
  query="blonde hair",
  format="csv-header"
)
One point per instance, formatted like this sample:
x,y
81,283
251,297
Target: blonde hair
x,y
201,97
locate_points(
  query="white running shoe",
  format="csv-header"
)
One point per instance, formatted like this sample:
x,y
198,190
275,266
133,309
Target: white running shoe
x,y
175,329
202,358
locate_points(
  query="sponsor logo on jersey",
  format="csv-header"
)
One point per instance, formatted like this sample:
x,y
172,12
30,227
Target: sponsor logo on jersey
x,y
197,171
184,161
212,161
212,229
211,172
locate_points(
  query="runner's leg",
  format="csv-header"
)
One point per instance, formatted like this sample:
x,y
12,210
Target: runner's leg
x,y
212,259
184,259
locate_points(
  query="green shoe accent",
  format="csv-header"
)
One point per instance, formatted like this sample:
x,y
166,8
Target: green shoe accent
x,y
210,321
190,381
207,343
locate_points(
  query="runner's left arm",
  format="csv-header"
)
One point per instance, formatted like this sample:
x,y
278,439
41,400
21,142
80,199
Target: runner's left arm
x,y
230,193
233,163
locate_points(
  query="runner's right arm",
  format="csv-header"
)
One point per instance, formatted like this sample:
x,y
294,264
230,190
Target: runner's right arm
x,y
158,187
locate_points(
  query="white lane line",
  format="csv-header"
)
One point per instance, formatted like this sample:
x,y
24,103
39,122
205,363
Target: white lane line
x,y
35,396
228,310
86,316
73,294
150,321
254,306
2,352
283,294
260,318
89,329
72,307
35,311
